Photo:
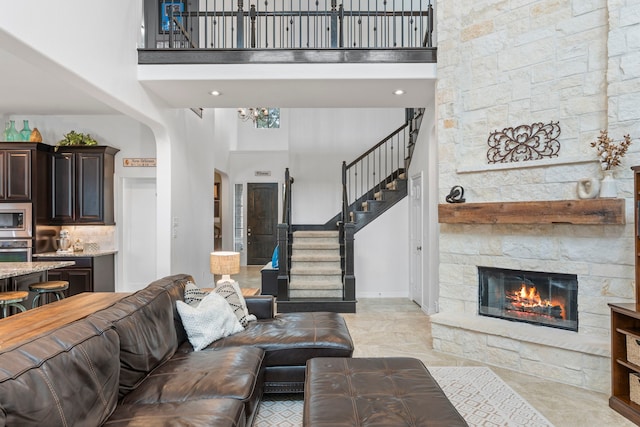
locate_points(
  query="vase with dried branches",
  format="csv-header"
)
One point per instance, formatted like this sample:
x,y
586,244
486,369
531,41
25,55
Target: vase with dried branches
x,y
610,153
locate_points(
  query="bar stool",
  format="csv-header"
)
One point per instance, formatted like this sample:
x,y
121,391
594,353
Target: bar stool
x,y
54,287
12,299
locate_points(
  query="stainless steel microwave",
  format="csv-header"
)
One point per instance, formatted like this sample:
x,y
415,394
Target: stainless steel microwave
x,y
15,220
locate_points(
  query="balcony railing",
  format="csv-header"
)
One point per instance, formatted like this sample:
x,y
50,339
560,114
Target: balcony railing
x,y
291,24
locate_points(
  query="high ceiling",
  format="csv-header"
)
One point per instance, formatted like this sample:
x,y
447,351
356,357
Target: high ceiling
x,y
28,90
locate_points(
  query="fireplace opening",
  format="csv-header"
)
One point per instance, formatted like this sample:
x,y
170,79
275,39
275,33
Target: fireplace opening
x,y
548,299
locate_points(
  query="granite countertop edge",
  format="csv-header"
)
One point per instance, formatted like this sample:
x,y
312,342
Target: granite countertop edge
x,y
14,269
75,254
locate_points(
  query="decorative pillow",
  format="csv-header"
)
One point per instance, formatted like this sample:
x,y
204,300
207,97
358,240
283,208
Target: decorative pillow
x,y
209,321
232,293
193,294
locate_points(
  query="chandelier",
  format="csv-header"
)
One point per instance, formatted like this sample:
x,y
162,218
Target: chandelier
x,y
253,113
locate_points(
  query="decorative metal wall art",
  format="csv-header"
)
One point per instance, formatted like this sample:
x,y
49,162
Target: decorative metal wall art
x,y
524,143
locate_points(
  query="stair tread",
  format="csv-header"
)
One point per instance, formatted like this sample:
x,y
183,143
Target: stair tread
x,y
311,245
315,257
315,286
315,233
315,271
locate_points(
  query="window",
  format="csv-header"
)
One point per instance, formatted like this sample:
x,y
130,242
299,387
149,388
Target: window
x,y
238,219
269,121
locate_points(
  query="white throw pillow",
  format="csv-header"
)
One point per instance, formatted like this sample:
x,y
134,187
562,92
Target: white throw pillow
x,y
209,321
232,293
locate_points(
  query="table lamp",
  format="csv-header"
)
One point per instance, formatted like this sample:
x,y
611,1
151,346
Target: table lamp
x,y
225,263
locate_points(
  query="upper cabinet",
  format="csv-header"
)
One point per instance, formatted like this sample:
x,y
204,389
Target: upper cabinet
x,y
23,166
82,185
15,173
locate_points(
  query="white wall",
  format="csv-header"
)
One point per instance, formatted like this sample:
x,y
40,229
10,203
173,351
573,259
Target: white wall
x,y
319,141
382,255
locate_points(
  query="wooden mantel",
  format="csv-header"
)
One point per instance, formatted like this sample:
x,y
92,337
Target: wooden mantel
x,y
588,211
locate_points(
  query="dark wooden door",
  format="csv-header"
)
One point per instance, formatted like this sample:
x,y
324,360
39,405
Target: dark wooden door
x,y
262,221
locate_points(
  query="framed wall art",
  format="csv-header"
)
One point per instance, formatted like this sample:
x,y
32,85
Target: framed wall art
x,y
170,14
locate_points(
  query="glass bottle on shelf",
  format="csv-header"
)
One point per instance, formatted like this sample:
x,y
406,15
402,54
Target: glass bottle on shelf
x,y
25,133
6,129
12,132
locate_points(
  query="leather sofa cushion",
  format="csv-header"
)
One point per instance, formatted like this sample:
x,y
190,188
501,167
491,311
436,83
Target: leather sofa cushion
x,y
391,391
145,324
290,339
67,377
232,372
175,285
205,412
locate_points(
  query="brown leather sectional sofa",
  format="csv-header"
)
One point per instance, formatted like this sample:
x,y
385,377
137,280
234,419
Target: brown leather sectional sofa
x,y
132,365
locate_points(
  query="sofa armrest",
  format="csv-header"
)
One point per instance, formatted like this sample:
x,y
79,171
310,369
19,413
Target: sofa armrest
x,y
262,306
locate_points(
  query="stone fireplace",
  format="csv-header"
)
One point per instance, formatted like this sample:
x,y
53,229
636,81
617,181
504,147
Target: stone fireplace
x,y
575,350
547,299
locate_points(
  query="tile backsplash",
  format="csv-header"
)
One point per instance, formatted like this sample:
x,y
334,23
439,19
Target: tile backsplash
x,y
103,235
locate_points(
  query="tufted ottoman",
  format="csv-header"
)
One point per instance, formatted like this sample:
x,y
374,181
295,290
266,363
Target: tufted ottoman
x,y
396,391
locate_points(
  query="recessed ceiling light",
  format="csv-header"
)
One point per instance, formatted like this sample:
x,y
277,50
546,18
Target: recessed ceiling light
x,y
398,92
215,93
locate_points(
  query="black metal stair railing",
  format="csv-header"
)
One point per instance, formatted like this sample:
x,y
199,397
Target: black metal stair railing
x,y
380,165
284,239
298,24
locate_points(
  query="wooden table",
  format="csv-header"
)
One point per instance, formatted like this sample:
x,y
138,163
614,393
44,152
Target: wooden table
x,y
31,323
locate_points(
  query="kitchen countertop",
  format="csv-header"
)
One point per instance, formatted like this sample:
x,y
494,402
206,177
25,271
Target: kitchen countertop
x,y
99,252
13,269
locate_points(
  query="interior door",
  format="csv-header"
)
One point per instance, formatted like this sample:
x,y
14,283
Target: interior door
x,y
137,259
262,221
415,238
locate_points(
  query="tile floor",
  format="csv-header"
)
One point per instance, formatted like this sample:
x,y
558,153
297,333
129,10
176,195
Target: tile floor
x,y
397,327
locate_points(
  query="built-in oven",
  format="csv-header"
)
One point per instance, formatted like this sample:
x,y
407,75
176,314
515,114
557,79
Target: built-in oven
x,y
15,250
15,220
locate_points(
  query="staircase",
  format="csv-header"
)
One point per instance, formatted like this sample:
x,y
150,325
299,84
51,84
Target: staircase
x,y
316,271
315,265
381,200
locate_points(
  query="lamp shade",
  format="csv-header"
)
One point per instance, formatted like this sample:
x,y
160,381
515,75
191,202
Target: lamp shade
x,y
225,263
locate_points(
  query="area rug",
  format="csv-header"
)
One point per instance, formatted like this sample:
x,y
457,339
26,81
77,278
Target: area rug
x,y
481,397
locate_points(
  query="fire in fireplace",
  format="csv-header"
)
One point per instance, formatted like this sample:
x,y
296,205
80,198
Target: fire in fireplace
x,y
548,299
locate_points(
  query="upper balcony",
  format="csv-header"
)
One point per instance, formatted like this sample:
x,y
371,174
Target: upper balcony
x,y
334,44
287,31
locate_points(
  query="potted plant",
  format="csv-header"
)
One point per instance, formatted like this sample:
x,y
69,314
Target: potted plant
x,y
76,138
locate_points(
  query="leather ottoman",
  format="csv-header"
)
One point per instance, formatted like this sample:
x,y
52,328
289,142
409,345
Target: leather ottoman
x,y
372,392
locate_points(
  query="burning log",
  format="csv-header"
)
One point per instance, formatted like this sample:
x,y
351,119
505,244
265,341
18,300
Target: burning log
x,y
554,311
528,300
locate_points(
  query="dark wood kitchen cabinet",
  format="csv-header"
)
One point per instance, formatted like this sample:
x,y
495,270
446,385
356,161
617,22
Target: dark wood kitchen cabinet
x,y
89,274
23,170
82,185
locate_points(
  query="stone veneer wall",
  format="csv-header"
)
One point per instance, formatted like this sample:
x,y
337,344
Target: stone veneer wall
x,y
507,63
